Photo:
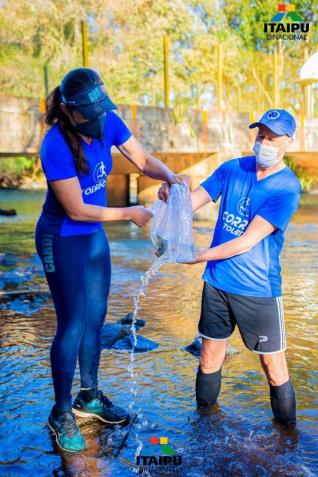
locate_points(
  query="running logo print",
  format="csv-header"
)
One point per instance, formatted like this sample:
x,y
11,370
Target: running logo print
x,y
100,179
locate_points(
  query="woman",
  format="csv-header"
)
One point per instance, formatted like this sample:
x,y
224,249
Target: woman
x,y
71,242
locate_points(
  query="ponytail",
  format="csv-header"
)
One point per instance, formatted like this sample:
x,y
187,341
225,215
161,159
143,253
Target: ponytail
x,y
55,115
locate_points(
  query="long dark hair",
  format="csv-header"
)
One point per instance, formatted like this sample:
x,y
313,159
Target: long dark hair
x,y
73,82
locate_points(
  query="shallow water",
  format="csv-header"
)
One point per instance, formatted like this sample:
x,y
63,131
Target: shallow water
x,y
238,438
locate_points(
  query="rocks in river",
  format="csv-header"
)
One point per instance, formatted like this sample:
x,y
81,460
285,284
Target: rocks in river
x,y
195,348
8,259
26,306
8,212
128,319
119,336
142,344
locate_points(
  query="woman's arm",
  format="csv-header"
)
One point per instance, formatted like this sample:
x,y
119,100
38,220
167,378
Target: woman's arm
x,y
69,194
257,230
138,155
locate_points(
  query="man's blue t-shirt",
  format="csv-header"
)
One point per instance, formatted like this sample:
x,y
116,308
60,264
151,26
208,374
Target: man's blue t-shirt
x,y
58,162
275,198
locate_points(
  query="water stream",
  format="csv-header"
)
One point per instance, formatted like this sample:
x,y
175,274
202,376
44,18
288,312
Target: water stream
x,y
144,279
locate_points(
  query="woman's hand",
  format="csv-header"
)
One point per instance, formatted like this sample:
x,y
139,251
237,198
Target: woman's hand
x,y
139,215
163,191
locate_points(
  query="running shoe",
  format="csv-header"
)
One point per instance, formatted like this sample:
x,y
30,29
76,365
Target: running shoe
x,y
67,434
101,408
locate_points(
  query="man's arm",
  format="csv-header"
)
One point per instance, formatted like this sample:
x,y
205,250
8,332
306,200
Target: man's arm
x,y
199,197
257,230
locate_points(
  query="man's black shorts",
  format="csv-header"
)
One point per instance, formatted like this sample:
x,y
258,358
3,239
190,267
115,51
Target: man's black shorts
x,y
260,320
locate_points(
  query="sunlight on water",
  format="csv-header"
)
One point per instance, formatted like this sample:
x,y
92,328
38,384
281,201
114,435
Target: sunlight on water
x,y
238,438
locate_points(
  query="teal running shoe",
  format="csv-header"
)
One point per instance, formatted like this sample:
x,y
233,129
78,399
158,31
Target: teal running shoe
x,y
101,408
67,435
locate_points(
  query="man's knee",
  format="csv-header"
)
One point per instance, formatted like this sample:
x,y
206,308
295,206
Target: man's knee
x,y
275,368
212,355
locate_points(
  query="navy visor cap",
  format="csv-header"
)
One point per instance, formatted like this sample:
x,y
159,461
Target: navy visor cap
x,y
92,100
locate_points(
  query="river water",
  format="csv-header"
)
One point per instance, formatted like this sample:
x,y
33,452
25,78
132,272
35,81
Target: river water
x,y
239,438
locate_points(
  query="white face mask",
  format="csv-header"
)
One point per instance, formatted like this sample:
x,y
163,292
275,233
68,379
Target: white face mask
x,y
266,156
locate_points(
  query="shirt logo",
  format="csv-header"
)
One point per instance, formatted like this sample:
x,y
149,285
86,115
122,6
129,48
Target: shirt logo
x,y
100,171
273,115
100,178
243,206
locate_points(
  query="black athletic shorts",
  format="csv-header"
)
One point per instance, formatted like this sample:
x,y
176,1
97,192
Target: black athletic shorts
x,y
260,320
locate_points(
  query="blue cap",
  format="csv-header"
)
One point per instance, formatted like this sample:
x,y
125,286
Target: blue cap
x,y
277,120
92,99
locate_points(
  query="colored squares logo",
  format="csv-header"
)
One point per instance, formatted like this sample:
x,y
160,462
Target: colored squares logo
x,y
286,8
159,440
163,442
287,12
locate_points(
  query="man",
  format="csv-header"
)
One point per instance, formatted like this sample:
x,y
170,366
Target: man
x,y
242,279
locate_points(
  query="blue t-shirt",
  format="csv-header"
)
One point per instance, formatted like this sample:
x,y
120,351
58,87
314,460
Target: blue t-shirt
x,y
275,198
58,162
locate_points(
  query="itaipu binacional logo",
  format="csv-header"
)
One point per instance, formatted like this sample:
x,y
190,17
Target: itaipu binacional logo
x,y
287,24
159,453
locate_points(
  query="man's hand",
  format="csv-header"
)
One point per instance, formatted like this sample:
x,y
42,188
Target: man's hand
x,y
199,257
163,191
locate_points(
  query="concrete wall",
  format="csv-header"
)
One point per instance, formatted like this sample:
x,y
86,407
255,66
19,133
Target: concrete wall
x,y
194,144
157,128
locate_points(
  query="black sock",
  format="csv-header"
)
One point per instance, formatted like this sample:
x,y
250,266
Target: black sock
x,y
57,412
283,402
208,387
88,394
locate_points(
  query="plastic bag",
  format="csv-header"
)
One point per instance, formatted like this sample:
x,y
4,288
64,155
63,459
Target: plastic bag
x,y
171,227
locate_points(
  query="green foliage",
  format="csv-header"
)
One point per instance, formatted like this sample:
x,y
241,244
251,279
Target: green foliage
x,y
126,46
305,180
16,165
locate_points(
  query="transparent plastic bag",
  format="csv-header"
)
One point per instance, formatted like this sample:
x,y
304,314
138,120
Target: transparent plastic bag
x,y
171,227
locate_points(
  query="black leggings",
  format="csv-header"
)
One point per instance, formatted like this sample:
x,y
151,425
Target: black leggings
x,y
78,272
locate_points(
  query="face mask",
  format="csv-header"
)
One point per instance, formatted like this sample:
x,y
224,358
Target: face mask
x,y
93,128
266,156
